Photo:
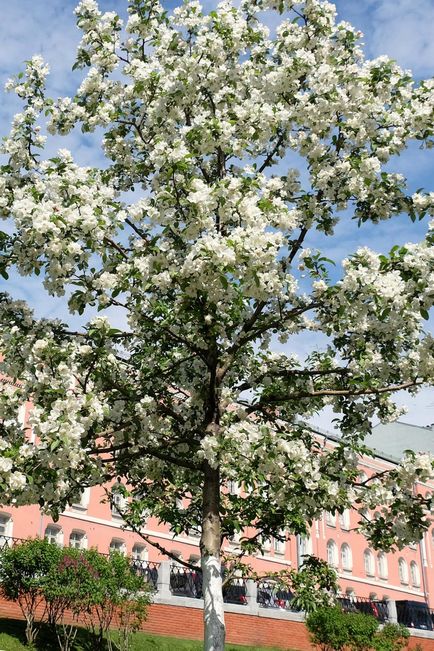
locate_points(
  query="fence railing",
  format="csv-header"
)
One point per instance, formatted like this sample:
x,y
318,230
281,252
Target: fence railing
x,y
265,593
378,608
271,594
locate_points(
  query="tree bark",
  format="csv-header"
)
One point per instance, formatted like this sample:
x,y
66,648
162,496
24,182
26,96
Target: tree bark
x,y
212,583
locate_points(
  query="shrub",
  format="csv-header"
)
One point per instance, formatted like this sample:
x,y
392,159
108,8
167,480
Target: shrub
x,y
361,630
393,637
23,571
328,629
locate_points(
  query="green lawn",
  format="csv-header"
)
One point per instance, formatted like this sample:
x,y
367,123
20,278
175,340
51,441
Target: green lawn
x,y
12,638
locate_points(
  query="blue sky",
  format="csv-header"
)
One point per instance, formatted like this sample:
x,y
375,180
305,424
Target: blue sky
x,y
402,29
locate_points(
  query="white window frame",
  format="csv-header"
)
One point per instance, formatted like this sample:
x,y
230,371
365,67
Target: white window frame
x,y
80,536
6,526
383,570
368,562
415,574
117,545
279,546
403,570
344,520
120,500
83,504
346,557
139,552
54,534
330,519
332,553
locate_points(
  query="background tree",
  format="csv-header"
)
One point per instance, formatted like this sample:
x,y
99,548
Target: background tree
x,y
246,148
23,573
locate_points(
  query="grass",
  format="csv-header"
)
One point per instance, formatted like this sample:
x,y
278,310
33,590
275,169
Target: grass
x,y
12,638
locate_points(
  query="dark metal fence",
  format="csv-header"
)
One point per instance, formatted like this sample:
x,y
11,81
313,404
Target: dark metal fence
x,y
271,594
365,605
415,614
148,570
235,591
185,582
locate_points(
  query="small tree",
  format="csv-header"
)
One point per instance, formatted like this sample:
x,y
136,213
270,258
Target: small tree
x,y
70,589
116,585
23,572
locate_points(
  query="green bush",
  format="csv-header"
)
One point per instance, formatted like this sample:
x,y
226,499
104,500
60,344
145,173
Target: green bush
x,y
333,630
328,629
393,637
23,572
361,630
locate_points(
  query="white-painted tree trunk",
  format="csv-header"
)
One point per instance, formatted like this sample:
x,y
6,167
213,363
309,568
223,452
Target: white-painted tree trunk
x,y
214,615
210,543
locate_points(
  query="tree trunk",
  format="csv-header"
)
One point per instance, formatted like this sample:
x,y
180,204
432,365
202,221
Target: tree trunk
x,y
213,612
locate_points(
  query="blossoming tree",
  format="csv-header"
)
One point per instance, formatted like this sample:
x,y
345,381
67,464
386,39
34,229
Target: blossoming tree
x,y
204,115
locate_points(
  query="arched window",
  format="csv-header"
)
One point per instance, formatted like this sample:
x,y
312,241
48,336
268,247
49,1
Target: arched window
x,y
373,596
305,546
344,519
365,515
78,539
83,501
403,570
117,505
415,574
332,553
117,545
54,535
330,519
346,557
6,526
432,536
382,565
368,560
139,553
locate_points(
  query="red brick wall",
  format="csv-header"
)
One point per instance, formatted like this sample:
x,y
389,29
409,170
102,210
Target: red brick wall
x,y
177,621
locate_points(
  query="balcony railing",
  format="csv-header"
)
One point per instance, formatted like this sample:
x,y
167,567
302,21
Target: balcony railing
x,y
272,594
377,608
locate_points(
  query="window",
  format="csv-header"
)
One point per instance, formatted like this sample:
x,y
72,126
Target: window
x,y
330,519
233,487
332,553
365,514
403,571
415,574
382,565
373,596
346,557
117,504
77,539
368,560
139,553
350,593
5,526
117,545
344,519
54,535
305,546
194,559
279,545
83,501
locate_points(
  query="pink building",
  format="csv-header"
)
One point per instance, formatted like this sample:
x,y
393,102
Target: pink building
x,y
407,575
